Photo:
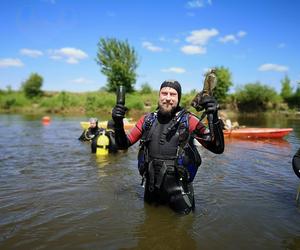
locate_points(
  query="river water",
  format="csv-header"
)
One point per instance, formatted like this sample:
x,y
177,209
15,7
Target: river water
x,y
54,194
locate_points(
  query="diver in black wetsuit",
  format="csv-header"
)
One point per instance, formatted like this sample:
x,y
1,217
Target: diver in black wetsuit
x,y
296,163
168,159
92,132
110,133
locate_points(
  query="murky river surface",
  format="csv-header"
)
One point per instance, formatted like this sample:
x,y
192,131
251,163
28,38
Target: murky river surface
x,y
54,194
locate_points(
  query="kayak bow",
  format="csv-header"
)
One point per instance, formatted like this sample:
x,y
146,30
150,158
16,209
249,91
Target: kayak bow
x,y
274,133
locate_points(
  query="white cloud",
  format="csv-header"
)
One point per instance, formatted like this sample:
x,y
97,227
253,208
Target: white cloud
x,y
72,52
233,38
82,80
174,70
228,38
10,62
31,52
273,67
193,49
201,37
72,60
197,40
194,4
151,47
70,55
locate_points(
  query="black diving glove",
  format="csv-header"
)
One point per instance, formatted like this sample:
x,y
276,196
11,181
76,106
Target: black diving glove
x,y
211,106
118,114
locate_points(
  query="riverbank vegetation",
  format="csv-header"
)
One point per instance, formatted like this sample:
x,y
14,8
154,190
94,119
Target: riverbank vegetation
x,y
252,97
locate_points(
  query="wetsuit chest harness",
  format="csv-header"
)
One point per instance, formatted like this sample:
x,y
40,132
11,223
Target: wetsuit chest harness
x,y
186,161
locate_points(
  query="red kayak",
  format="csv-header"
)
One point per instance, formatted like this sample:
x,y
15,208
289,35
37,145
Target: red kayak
x,y
258,132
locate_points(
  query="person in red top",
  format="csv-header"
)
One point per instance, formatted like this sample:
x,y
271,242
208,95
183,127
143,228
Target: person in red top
x,y
168,159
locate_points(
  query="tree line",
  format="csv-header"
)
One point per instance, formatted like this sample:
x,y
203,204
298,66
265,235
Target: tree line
x,y
118,61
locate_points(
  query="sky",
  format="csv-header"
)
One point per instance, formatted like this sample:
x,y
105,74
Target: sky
x,y
258,41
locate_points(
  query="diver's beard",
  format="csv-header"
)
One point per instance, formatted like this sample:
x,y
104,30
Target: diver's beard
x,y
166,113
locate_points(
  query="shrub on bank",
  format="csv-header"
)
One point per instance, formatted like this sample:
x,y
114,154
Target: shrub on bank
x,y
255,97
13,99
61,101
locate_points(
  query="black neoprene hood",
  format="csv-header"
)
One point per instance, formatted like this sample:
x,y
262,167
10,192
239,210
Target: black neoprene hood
x,y
174,85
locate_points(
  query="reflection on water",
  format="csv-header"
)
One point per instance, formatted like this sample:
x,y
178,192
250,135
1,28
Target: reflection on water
x,y
161,229
103,162
54,194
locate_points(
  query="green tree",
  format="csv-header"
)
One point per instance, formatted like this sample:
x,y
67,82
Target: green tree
x,y
32,86
297,97
146,88
118,61
286,89
294,99
223,84
254,97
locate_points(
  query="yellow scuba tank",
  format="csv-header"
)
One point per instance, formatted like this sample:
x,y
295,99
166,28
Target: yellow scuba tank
x,y
102,144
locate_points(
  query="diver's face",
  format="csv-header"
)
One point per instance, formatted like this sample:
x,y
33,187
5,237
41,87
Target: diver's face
x,y
93,124
168,99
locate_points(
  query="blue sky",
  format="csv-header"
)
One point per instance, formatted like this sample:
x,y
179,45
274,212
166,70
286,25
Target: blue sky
x,y
174,39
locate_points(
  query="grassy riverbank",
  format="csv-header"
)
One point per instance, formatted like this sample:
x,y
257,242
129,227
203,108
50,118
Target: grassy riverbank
x,y
78,103
67,102
95,103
